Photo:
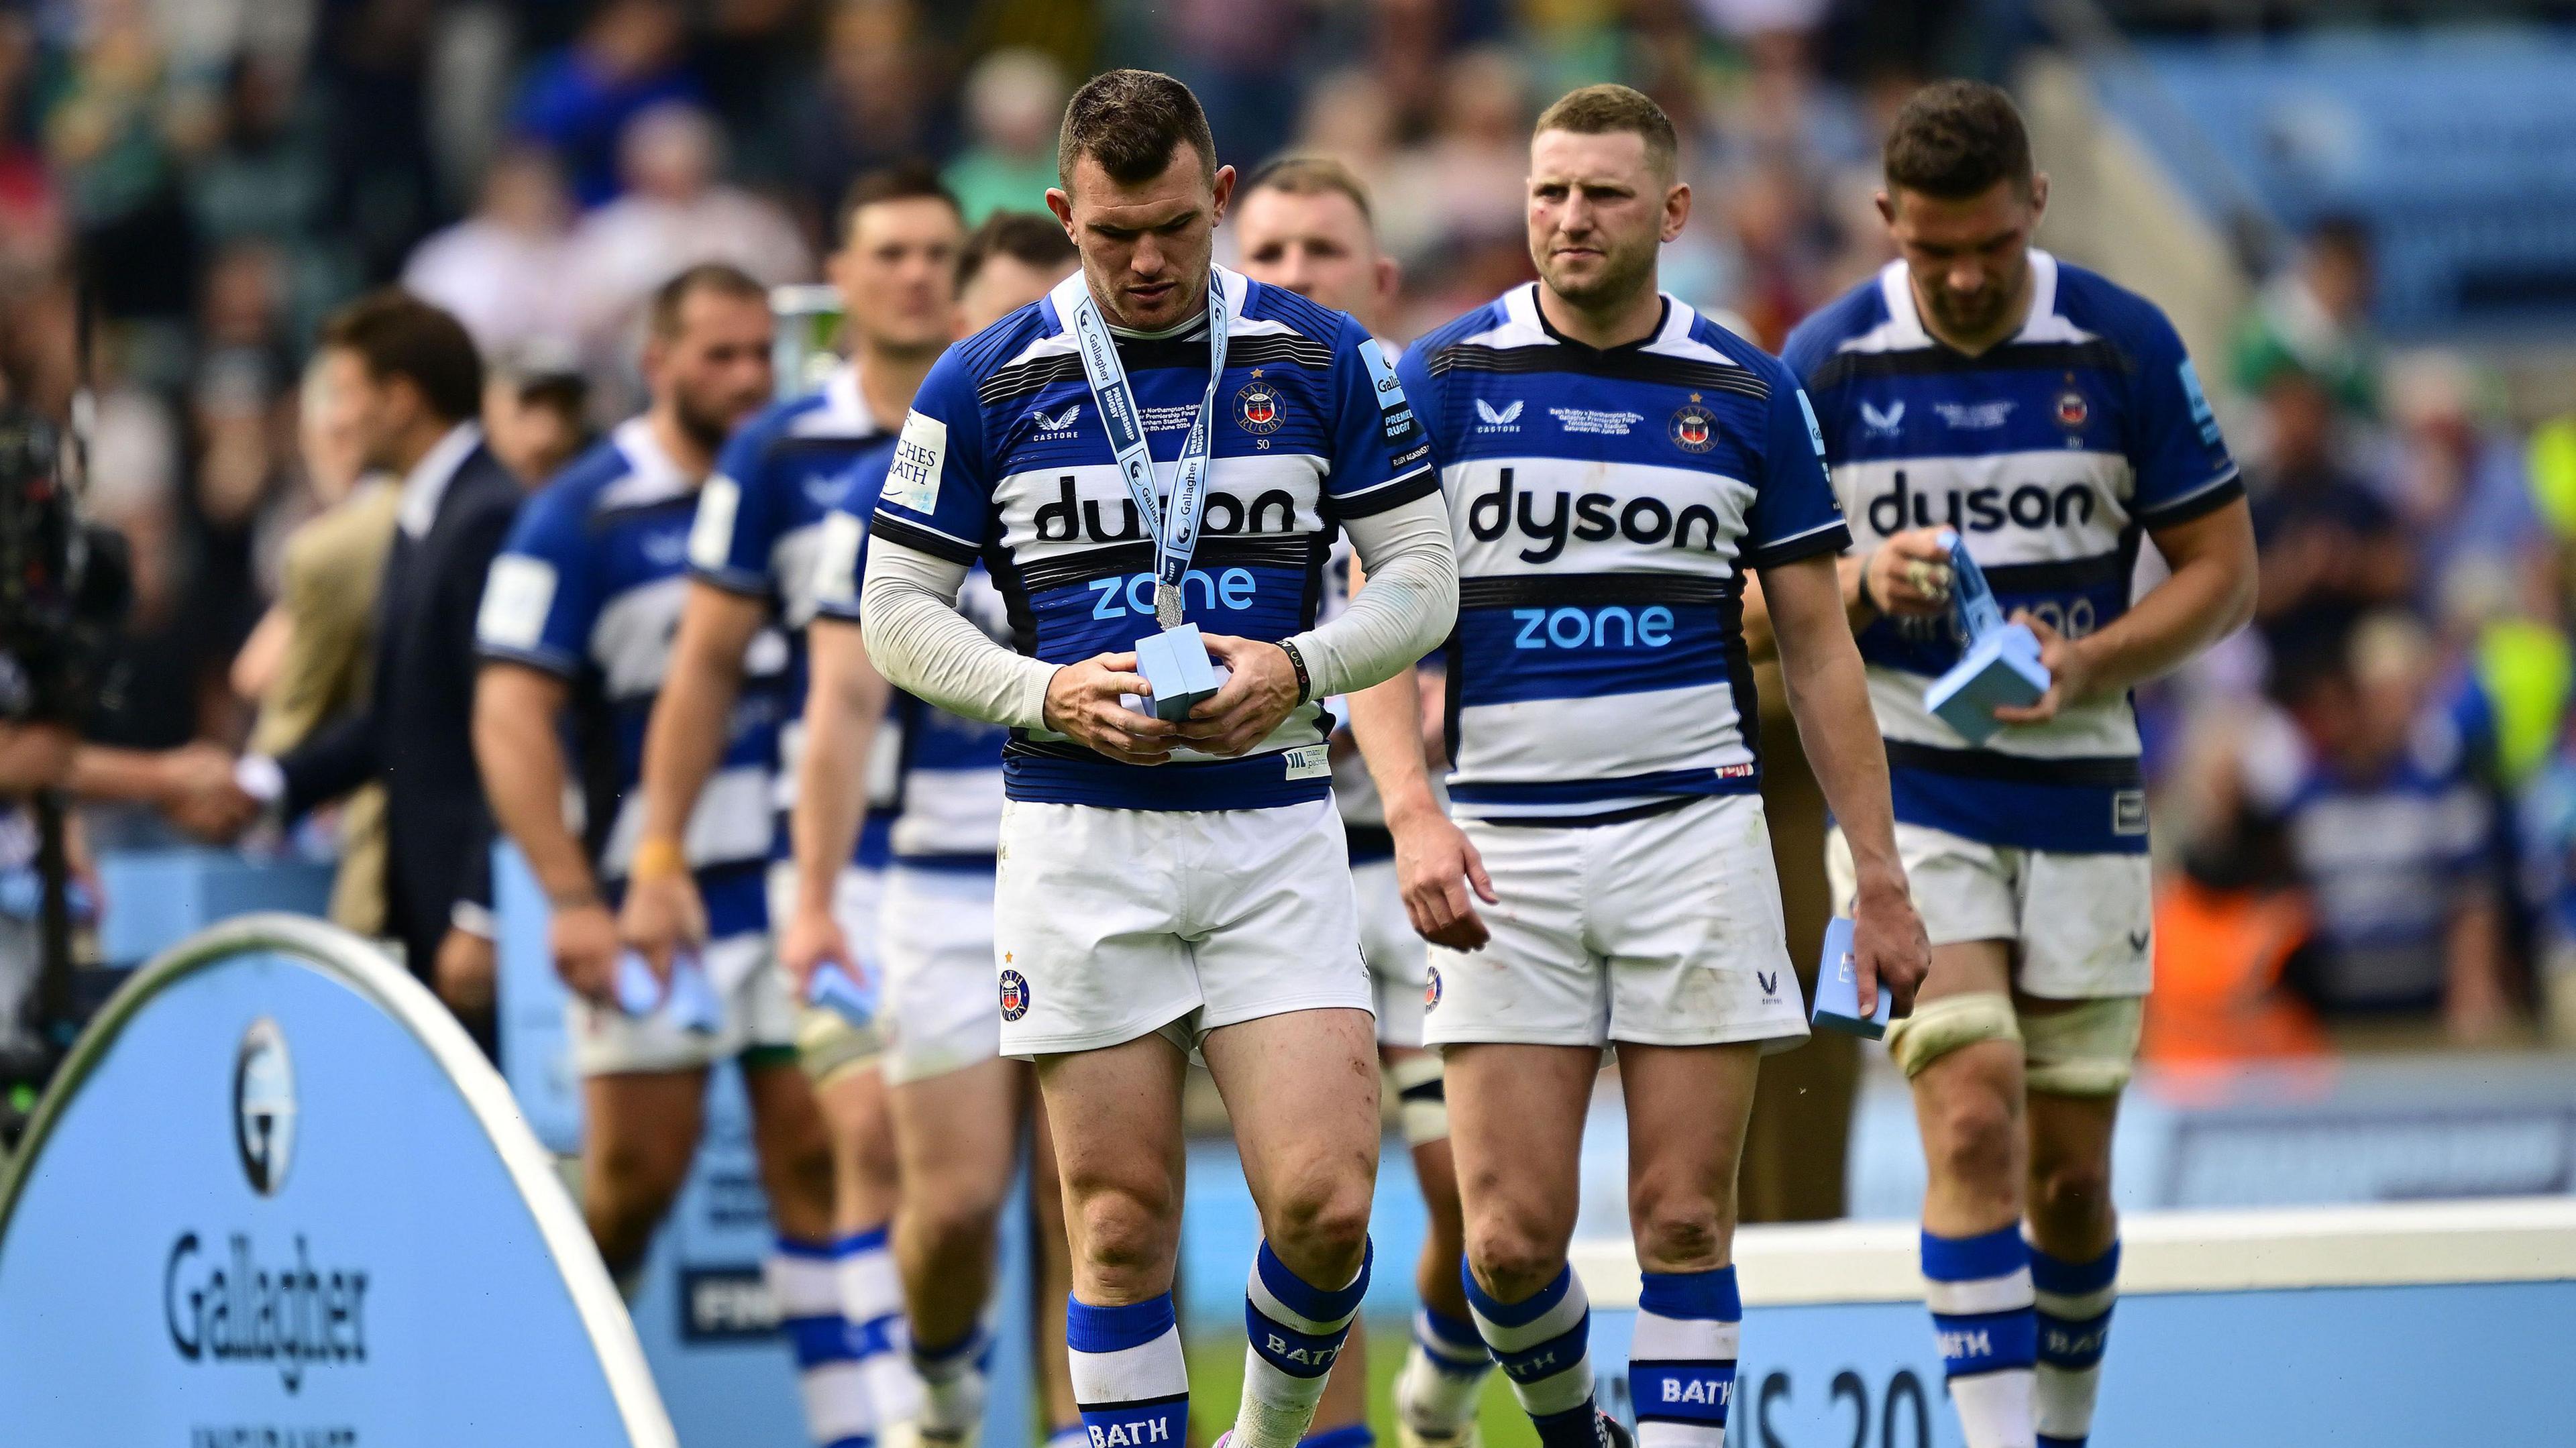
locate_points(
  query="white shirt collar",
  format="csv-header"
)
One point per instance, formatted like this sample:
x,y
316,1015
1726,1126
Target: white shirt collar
x,y
652,473
1071,290
1896,287
425,486
845,400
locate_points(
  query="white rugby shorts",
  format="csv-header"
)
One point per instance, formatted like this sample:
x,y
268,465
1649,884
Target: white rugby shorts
x,y
750,988
1113,924
2082,925
1397,960
1664,931
935,936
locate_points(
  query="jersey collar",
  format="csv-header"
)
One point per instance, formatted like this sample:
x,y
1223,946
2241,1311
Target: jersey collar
x,y
1521,305
1061,302
1896,289
846,401
652,474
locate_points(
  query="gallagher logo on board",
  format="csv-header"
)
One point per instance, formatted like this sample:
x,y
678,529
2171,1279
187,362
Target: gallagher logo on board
x,y
264,1106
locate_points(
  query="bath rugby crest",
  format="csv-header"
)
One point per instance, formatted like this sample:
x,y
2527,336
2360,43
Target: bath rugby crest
x,y
1694,427
1256,406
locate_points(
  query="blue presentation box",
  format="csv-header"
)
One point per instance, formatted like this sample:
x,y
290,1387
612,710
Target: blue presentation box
x,y
1176,668
1838,987
2001,668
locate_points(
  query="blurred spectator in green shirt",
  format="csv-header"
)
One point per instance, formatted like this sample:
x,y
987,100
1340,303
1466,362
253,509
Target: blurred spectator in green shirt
x,y
1014,101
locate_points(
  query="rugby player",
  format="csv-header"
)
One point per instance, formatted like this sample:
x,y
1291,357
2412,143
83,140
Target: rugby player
x,y
1304,223
751,569
1170,886
2052,418
1615,465
956,1102
575,632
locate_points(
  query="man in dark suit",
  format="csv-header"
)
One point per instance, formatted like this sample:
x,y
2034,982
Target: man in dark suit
x,y
413,379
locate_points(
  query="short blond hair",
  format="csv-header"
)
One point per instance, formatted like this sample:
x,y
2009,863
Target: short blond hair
x,y
1312,176
1598,110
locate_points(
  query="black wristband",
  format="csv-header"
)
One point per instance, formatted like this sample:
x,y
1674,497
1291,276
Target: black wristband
x,y
1297,661
1866,601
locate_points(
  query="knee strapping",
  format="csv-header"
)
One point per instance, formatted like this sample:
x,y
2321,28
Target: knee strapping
x,y
1421,1098
2088,1049
1941,1026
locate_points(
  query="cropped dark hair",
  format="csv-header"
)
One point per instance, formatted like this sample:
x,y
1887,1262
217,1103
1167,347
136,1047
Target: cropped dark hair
x,y
902,181
722,279
1955,139
1031,238
1310,176
1600,110
1130,121
397,334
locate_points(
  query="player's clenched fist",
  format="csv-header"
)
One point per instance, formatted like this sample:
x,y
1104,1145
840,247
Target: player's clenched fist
x,y
1888,945
1082,705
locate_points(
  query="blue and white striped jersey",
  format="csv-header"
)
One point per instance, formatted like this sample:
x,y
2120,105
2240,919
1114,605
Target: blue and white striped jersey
x,y
1005,459
589,589
948,805
2050,453
1606,504
759,527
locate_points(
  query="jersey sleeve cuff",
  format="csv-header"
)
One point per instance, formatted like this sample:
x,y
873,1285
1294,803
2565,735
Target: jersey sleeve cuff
x,y
1833,537
923,539
733,580
1393,493
544,661
2209,497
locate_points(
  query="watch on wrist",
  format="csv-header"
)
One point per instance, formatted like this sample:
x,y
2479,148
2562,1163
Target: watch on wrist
x,y
1866,601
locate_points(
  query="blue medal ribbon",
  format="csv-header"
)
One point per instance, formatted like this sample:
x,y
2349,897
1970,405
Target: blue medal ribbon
x,y
1175,532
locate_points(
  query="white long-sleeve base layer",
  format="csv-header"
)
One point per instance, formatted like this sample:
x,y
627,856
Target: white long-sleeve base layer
x,y
908,616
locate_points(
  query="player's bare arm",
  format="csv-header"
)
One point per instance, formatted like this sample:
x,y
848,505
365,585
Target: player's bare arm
x,y
845,699
521,754
1830,698
2209,596
1435,864
662,911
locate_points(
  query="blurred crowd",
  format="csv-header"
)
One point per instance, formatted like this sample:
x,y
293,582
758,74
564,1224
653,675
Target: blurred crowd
x,y
2369,799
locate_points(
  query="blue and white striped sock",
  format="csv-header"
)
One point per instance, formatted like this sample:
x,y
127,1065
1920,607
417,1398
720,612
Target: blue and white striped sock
x,y
1541,1343
1681,1366
1444,1370
1293,1331
838,1413
872,1299
1129,1377
1349,1435
952,1379
2075,1300
1979,1291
